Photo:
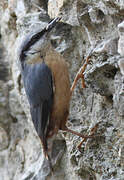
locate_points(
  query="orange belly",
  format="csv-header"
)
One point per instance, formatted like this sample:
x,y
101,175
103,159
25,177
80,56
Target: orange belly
x,y
62,94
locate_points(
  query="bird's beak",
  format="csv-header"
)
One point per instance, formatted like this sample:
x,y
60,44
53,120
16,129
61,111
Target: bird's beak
x,y
53,23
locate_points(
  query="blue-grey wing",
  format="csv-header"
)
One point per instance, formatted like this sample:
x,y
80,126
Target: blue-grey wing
x,y
39,89
38,83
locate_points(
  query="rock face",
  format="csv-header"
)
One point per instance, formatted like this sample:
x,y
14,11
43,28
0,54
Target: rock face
x,y
86,24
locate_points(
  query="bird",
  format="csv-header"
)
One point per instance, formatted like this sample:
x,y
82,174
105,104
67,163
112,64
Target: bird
x,y
46,81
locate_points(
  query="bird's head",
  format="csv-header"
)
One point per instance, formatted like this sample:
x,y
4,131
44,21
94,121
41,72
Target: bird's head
x,y
36,42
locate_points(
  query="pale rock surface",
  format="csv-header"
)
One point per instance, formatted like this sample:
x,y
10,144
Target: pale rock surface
x,y
121,51
121,39
85,24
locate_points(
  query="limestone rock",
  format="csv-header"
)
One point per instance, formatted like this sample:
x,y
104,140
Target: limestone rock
x,y
121,66
3,139
121,39
85,24
121,46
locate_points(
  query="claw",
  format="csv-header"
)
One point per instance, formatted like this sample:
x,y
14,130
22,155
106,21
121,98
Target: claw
x,y
92,132
79,75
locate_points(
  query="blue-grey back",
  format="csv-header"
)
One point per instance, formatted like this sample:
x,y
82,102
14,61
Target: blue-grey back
x,y
38,83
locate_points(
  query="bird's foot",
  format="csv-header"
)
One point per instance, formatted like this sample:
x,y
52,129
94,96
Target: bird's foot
x,y
80,74
92,135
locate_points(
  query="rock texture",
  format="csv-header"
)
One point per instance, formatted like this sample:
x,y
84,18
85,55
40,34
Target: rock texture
x,y
85,24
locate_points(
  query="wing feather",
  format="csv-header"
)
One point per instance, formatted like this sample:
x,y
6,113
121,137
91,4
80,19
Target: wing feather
x,y
39,89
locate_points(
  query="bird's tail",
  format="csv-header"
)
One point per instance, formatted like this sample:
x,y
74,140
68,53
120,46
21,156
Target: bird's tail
x,y
45,150
40,118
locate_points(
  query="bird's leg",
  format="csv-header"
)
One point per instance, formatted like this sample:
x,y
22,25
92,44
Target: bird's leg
x,y
92,132
76,133
80,75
